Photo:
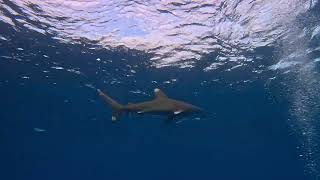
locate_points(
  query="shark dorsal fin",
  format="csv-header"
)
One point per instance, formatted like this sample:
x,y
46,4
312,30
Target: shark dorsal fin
x,y
159,94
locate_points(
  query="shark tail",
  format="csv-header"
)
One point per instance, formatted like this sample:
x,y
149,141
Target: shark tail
x,y
117,109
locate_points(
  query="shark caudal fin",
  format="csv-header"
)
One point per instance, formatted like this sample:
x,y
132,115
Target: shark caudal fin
x,y
117,108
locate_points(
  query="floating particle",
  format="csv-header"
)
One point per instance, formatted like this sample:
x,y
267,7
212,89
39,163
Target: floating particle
x,y
74,71
6,57
39,130
57,67
3,38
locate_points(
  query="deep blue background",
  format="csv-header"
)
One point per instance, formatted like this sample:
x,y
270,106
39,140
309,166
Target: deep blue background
x,y
245,135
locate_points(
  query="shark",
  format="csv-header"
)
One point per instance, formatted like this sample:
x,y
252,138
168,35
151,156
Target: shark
x,y
160,104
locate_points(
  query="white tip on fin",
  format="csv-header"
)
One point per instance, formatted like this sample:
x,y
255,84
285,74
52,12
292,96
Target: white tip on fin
x,y
177,112
113,118
159,94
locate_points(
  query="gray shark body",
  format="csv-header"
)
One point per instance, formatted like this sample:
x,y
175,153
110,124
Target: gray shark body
x,y
161,104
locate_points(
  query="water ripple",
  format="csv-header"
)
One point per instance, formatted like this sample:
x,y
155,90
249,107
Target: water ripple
x,y
175,32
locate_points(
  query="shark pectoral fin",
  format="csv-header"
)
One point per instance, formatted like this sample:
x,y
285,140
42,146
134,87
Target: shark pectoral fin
x,y
177,112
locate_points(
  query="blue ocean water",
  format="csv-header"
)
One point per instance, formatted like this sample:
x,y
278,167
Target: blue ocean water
x,y
260,89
